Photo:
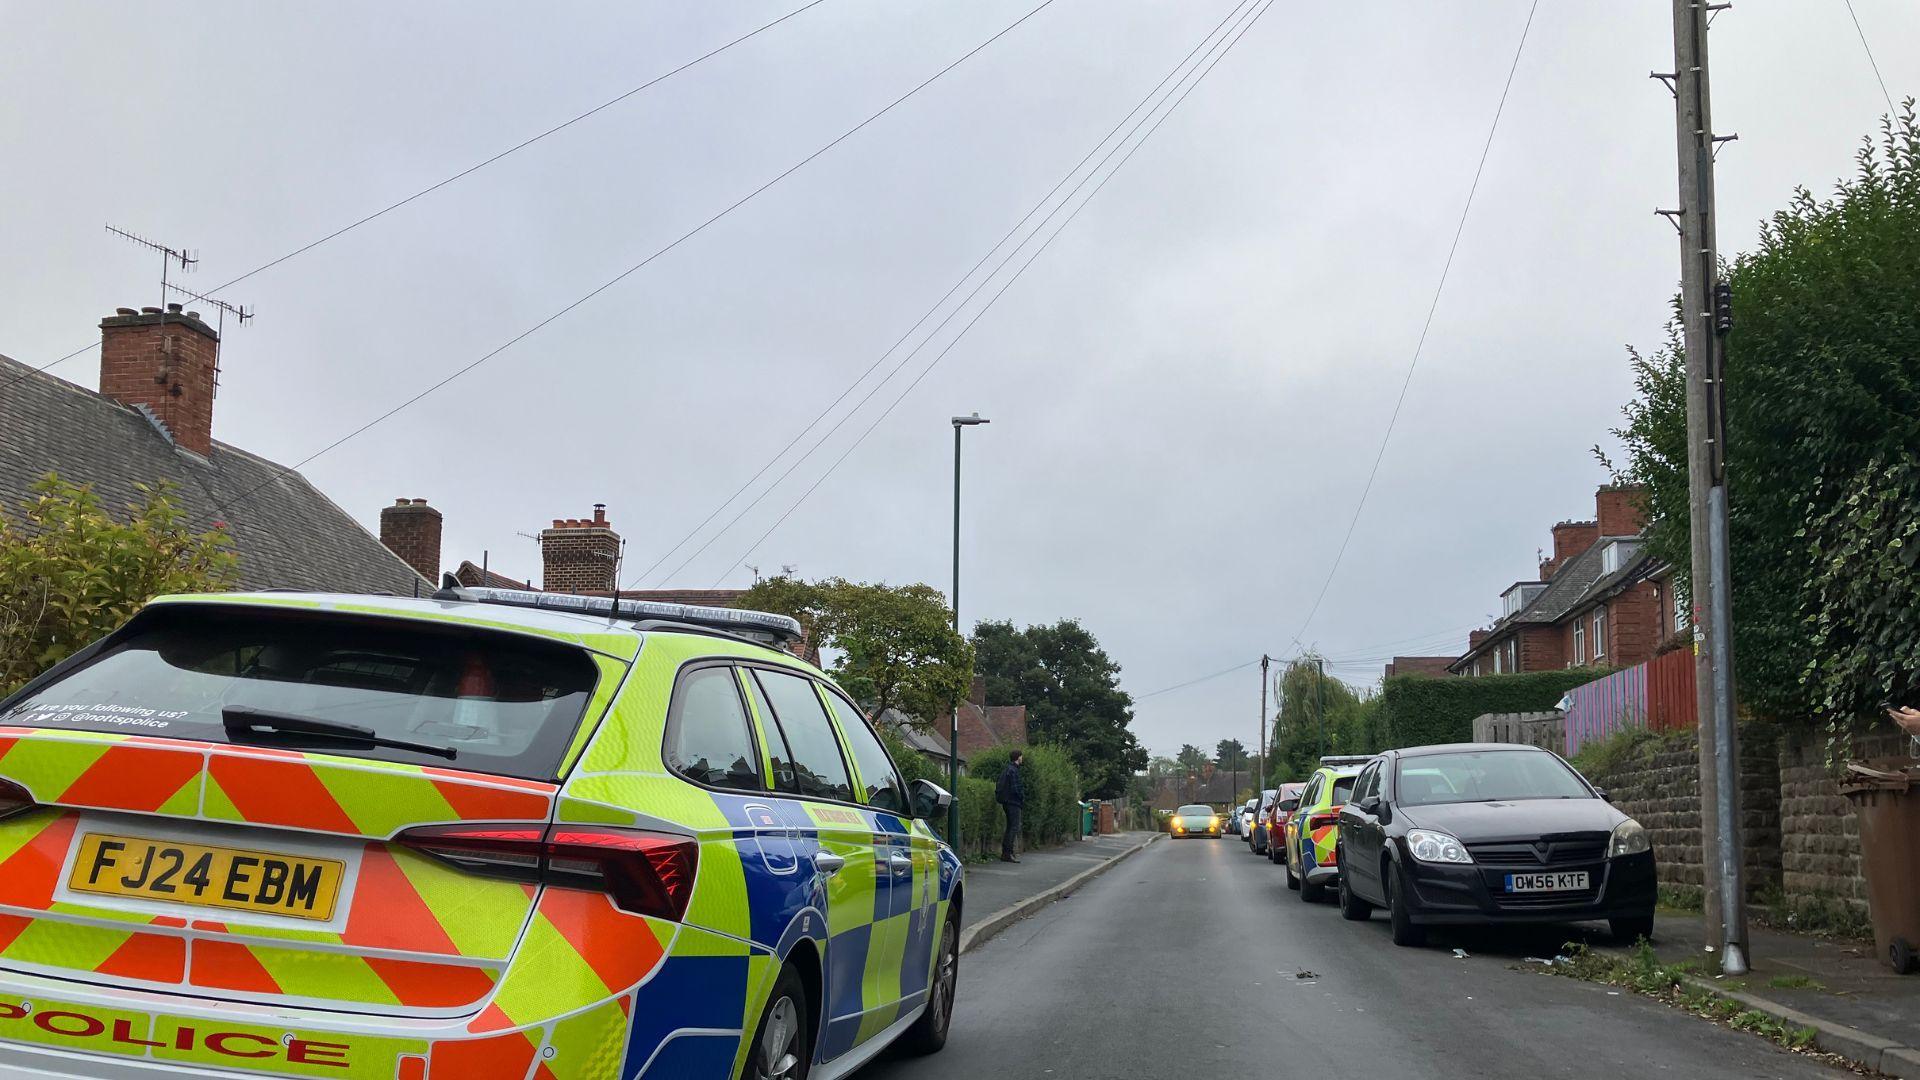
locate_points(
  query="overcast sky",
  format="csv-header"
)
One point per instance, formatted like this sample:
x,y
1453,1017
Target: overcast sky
x,y
1187,389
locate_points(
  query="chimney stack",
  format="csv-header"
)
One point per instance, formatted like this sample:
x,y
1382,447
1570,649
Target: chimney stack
x,y
411,529
1620,509
167,364
579,556
1570,538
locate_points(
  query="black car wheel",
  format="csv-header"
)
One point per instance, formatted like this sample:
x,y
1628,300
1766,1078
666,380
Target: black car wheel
x,y
781,1049
1398,917
1628,931
1352,907
929,1033
1293,879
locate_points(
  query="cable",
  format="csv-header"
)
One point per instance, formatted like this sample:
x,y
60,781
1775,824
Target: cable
x,y
1194,682
1420,345
35,371
1858,29
928,370
629,271
855,384
469,170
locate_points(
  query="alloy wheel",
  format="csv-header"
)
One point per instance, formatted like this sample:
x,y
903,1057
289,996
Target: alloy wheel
x,y
777,1057
944,981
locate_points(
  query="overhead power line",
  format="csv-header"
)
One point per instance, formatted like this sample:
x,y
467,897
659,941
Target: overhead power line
x,y
1440,288
928,314
476,167
1230,42
1875,64
643,263
1196,682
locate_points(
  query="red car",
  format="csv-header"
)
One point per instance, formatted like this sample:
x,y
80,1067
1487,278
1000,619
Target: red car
x,y
1277,815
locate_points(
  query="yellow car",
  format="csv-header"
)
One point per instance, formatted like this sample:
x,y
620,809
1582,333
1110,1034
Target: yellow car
x,y
1195,819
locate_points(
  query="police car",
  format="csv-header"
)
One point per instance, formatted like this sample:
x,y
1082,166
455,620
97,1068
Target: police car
x,y
486,834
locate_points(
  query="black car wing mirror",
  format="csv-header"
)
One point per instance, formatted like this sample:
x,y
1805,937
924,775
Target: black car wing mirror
x,y
930,800
1604,794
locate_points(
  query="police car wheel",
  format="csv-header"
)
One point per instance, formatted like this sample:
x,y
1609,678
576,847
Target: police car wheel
x,y
929,1033
781,1049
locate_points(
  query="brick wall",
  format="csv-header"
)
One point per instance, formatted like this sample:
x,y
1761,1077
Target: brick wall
x,y
168,362
1617,508
1633,625
1543,648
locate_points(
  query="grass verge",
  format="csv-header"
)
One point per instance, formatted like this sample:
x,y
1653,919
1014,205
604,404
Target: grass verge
x,y
1643,972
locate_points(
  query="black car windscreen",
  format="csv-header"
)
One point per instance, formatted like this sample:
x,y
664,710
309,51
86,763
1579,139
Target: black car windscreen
x,y
1486,776
502,703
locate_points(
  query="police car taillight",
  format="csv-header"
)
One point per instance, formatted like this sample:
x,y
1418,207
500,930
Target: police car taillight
x,y
14,799
645,873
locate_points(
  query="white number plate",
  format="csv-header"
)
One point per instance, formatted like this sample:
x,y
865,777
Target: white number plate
x,y
1564,881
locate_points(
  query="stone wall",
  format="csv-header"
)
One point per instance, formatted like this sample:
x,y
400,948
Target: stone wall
x,y
1820,837
1658,784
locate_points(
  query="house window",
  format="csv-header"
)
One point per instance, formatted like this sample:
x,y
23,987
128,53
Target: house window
x,y
1513,655
1499,660
1579,643
1599,633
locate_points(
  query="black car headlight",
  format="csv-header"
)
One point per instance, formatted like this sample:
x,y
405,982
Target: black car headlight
x,y
1430,846
1629,838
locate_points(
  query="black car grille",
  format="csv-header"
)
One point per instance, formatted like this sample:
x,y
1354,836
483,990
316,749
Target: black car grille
x,y
1556,851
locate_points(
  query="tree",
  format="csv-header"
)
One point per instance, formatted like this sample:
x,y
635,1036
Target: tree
x,y
1350,722
896,645
70,573
1191,759
1822,391
1072,693
1230,755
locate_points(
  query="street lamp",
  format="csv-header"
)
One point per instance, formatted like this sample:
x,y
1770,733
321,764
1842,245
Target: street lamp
x,y
953,728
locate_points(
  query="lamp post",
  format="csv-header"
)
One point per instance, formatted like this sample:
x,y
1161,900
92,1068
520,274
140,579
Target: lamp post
x,y
953,727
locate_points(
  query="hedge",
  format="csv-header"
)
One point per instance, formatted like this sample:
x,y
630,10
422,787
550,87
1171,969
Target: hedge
x,y
1052,812
1418,710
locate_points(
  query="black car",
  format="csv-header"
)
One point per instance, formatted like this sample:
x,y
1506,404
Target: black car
x,y
1487,833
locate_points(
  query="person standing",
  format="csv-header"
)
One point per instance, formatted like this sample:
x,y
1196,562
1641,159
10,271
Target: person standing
x,y
1011,793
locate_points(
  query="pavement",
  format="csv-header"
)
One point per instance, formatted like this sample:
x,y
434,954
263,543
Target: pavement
x,y
1191,959
1857,1006
998,894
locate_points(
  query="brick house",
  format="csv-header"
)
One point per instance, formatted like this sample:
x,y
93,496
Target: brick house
x,y
1598,599
152,422
1432,666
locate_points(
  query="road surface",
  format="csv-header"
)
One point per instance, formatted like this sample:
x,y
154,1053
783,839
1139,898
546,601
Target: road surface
x,y
1192,960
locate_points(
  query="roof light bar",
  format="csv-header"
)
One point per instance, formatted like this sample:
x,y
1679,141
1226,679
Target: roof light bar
x,y
780,628
1347,759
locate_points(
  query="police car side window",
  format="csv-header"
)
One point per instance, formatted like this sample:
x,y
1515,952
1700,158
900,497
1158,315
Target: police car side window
x,y
708,739
819,772
877,776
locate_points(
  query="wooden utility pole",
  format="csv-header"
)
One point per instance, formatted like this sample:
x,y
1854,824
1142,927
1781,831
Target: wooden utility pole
x,y
1705,319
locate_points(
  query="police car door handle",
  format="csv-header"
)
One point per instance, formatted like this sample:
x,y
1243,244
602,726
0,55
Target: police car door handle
x,y
901,865
827,862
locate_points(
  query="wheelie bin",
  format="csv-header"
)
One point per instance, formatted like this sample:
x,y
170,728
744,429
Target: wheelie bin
x,y
1886,798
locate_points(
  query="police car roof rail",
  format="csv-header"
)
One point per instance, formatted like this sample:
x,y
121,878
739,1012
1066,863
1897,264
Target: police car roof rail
x,y
757,625
1347,759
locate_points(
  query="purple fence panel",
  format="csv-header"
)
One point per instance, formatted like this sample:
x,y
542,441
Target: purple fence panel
x,y
1603,707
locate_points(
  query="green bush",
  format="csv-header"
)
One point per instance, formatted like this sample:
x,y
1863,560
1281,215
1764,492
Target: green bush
x,y
1418,710
1052,786
1600,759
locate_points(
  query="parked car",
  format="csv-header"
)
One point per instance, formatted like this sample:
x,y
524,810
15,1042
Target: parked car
x,y
1278,815
1194,819
1312,831
1259,835
1486,834
1245,815
267,832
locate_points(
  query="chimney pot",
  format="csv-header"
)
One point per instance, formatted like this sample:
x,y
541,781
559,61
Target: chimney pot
x,y
193,314
399,502
419,502
559,523
175,308
125,311
149,310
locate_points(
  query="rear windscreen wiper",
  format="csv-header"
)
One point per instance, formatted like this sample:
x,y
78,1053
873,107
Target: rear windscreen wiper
x,y
245,723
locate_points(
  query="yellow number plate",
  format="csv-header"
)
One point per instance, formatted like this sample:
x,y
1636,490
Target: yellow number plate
x,y
232,878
